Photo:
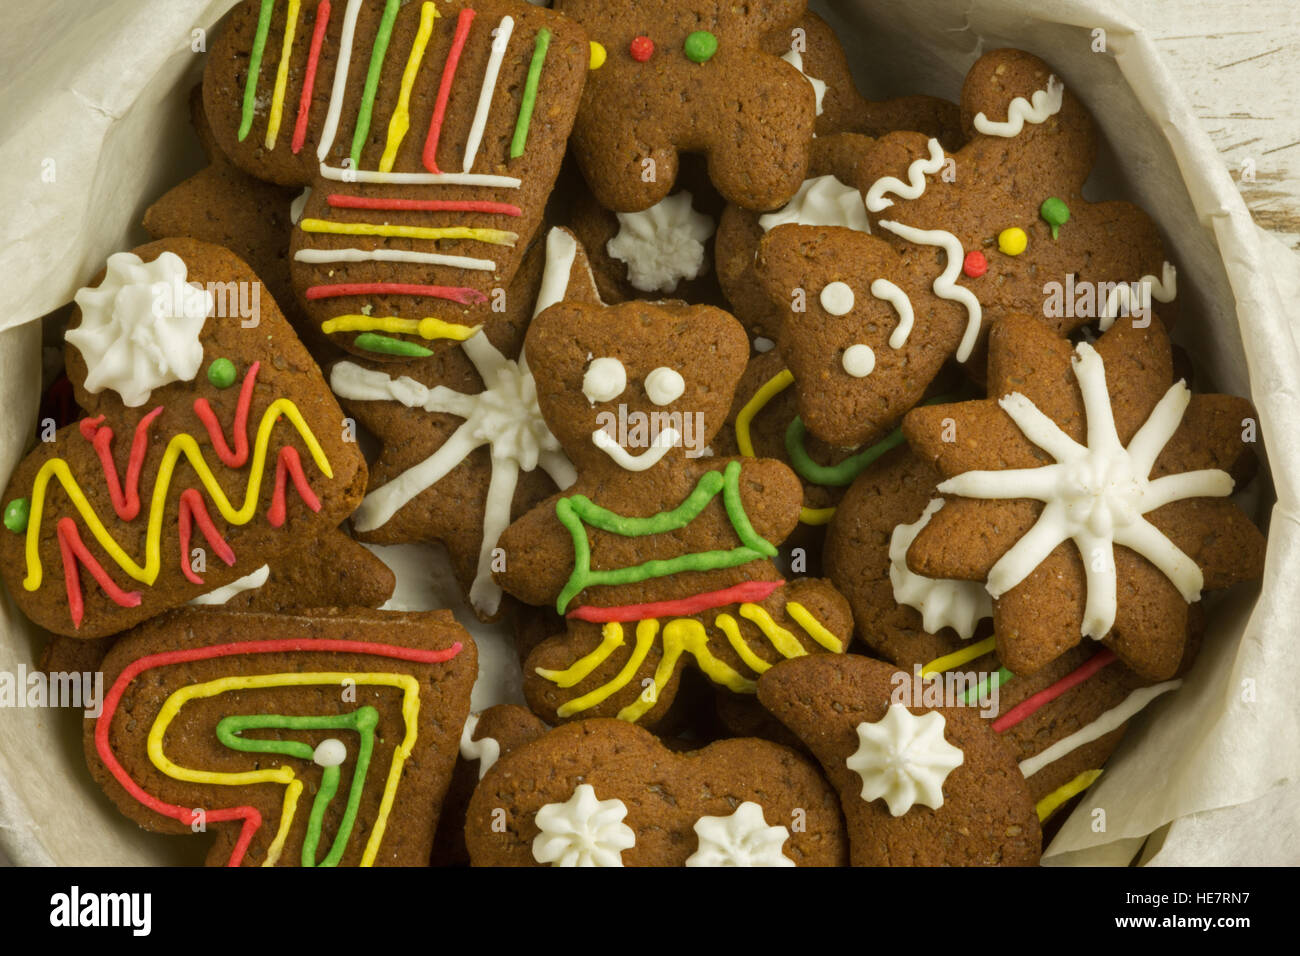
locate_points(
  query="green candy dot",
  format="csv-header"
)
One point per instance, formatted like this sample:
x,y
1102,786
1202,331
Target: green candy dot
x,y
16,513
221,373
1055,213
701,46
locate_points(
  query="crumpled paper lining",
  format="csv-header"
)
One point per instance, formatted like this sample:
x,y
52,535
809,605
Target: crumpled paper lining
x,y
102,91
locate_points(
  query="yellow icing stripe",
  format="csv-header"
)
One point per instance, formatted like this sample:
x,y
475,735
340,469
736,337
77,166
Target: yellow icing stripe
x,y
428,329
645,635
401,120
786,643
409,686
685,635
816,516
496,237
1052,802
612,639
291,795
816,630
728,626
957,658
744,440
282,75
775,386
180,445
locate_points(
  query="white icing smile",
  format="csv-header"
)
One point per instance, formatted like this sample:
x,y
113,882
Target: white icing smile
x,y
666,439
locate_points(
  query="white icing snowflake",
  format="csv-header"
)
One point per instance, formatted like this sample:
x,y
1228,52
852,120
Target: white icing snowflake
x,y
582,831
140,327
663,244
1096,494
904,759
942,602
741,839
504,416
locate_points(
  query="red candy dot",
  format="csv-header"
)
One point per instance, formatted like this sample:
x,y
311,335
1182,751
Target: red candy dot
x,y
975,265
642,49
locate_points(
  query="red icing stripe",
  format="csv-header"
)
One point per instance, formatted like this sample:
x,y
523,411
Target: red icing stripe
x,y
192,509
1030,704
126,502
458,294
289,464
444,89
75,552
250,815
341,201
236,458
309,80
749,591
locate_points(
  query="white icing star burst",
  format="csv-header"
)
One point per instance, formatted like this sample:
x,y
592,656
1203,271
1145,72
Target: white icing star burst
x,y
140,326
942,602
741,839
582,831
504,416
904,759
662,245
1096,494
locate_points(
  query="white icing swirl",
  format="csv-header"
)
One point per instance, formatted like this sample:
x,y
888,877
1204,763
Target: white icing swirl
x,y
942,602
582,831
877,198
904,759
662,245
741,839
140,327
1046,104
821,201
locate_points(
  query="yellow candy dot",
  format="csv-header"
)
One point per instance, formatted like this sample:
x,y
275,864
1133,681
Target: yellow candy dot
x,y
597,56
1012,241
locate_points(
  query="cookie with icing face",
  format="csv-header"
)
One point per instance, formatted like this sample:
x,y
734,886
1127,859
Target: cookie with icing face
x,y
337,573
919,785
688,77
211,446
317,739
812,48
430,134
1089,493
660,553
664,252
464,447
606,793
1004,219
1073,711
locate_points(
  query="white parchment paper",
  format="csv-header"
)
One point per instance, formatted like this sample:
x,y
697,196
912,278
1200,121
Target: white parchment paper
x,y
93,102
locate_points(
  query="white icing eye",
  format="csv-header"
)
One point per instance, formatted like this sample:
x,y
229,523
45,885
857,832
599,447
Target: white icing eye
x,y
837,298
330,752
664,385
859,361
605,380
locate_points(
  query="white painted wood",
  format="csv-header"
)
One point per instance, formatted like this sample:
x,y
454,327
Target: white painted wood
x,y
1238,61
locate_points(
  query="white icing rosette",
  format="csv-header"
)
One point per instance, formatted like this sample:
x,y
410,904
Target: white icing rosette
x,y
582,831
663,245
904,759
741,839
140,327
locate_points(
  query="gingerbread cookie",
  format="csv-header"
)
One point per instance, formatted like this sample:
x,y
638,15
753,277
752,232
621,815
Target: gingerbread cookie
x,y
485,738
605,793
325,739
337,573
200,415
430,135
812,48
465,448
1089,494
684,76
1002,223
659,552
920,785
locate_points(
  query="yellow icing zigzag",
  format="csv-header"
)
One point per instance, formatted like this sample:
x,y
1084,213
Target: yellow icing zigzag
x,y
180,445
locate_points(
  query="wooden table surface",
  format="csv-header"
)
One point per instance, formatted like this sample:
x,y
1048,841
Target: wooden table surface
x,y
1238,61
